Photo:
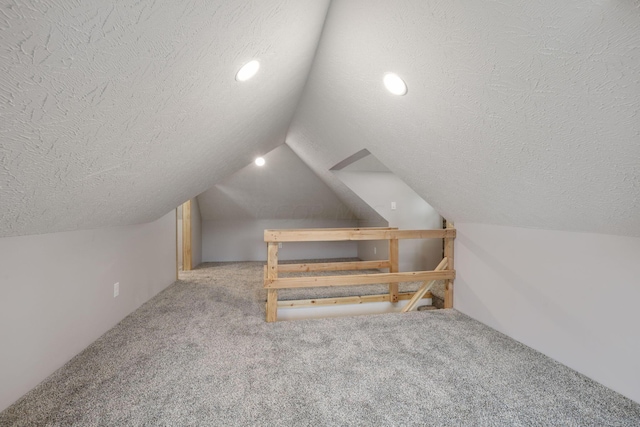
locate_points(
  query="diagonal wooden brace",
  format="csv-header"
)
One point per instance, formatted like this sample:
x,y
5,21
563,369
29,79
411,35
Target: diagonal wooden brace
x,y
426,286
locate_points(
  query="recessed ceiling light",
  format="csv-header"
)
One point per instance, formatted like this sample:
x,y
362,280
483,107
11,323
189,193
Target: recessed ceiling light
x,y
395,84
260,161
247,71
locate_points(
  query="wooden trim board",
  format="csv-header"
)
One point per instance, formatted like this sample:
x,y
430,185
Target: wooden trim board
x,y
448,253
356,279
333,266
342,234
178,249
323,302
187,263
394,259
272,274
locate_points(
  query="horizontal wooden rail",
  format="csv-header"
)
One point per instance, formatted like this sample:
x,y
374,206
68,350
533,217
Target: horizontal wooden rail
x,y
324,302
333,266
357,279
341,234
272,281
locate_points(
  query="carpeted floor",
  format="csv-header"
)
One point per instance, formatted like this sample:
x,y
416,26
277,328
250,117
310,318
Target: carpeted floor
x,y
201,354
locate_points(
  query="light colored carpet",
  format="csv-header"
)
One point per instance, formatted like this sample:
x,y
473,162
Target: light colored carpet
x,y
201,354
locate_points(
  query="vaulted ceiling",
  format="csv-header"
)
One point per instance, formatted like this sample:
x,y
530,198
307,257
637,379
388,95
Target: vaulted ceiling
x,y
517,113
116,112
284,188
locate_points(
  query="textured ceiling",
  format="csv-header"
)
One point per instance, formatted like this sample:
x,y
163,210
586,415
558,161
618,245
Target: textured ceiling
x,y
284,188
518,113
116,112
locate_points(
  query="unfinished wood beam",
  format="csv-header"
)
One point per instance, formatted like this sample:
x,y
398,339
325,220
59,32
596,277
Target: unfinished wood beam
x,y
424,289
333,266
394,261
177,247
187,262
356,279
272,274
448,253
341,234
323,302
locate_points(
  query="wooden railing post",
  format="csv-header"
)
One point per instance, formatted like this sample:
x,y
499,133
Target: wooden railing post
x,y
448,253
272,282
272,273
187,262
393,259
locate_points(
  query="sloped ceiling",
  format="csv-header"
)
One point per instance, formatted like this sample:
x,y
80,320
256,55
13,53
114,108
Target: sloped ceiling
x,y
284,188
368,163
517,113
115,113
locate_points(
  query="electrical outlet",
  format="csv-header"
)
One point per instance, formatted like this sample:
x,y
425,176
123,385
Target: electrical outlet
x,y
375,250
116,289
280,245
393,206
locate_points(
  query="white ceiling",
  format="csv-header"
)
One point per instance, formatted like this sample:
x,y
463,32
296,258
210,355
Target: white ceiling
x,y
115,113
284,188
518,113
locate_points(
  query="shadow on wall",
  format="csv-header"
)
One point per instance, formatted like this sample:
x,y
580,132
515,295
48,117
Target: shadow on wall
x,y
481,257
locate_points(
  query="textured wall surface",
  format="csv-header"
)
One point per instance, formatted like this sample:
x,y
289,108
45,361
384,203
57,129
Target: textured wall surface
x,y
116,112
517,113
572,296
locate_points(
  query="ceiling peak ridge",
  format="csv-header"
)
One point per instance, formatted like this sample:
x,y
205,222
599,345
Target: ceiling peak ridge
x,y
311,66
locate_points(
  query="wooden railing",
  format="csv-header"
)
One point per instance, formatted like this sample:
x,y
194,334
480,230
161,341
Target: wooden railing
x,y
272,281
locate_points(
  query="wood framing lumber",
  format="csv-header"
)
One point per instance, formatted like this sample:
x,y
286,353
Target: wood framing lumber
x,y
356,279
187,262
318,302
272,305
340,234
426,287
333,266
394,256
272,274
448,253
178,249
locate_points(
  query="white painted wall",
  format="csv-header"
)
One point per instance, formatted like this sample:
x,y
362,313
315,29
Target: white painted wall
x,y
196,233
243,240
379,189
56,293
572,296
369,250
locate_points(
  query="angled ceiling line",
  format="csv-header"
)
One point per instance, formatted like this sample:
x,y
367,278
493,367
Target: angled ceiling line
x,y
313,63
